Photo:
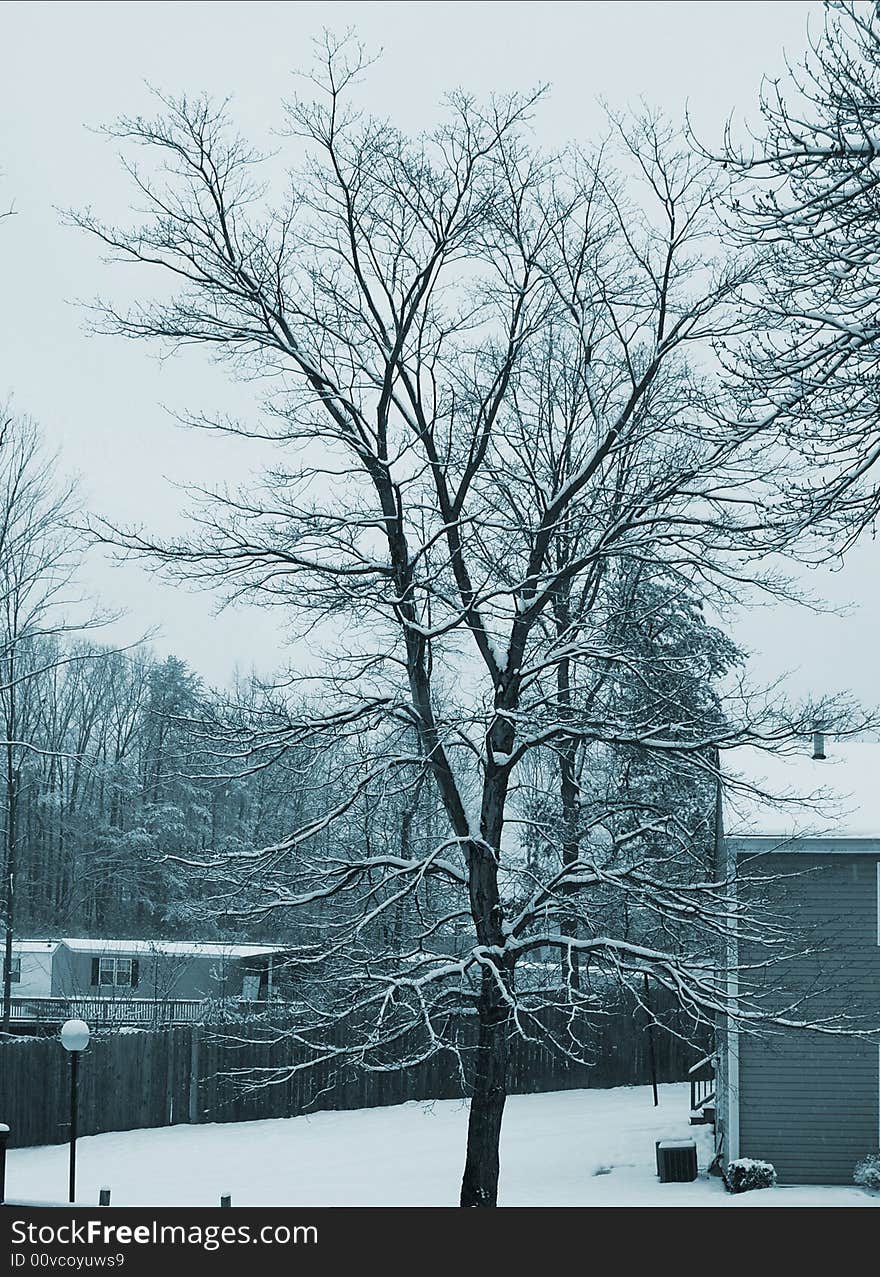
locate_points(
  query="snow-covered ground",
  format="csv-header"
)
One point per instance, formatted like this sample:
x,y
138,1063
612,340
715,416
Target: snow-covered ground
x,y
569,1148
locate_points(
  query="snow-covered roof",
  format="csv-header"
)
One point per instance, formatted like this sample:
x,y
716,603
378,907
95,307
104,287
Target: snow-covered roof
x,y
171,948
35,946
804,797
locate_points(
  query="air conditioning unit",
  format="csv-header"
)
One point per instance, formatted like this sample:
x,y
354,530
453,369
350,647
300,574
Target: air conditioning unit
x,y
676,1161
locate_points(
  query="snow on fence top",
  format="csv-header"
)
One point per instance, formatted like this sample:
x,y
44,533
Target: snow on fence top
x,y
795,795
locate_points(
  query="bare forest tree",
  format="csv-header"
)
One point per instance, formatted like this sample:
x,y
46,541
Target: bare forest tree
x,y
109,780
506,475
37,558
64,702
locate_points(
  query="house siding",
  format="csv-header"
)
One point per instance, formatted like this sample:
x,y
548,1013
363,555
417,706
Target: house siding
x,y
809,1106
65,972
809,1102
160,976
62,972
36,974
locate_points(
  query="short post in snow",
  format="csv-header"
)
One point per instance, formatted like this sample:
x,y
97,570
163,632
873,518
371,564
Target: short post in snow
x,y
651,1054
226,1199
104,1197
4,1136
74,1038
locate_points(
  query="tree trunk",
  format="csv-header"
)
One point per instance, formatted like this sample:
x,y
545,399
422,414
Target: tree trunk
x,y
569,793
479,1186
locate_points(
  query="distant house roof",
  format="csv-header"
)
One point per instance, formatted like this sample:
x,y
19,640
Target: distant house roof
x,y
167,948
793,795
173,948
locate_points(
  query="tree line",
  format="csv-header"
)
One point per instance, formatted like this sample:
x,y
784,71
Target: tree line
x,y
101,791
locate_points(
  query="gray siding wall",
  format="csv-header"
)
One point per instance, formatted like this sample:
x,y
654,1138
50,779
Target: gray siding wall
x,y
159,976
809,1105
62,972
808,1102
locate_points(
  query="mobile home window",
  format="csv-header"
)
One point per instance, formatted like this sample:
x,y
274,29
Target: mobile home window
x,y
118,972
14,970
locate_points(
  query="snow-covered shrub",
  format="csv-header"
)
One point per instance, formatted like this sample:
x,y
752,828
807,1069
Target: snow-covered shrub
x,y
867,1172
746,1173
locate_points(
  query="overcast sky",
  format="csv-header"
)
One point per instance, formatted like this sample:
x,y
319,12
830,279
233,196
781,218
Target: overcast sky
x,y
102,402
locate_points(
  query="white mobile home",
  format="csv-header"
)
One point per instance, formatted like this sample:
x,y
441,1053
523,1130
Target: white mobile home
x,y
152,969
37,966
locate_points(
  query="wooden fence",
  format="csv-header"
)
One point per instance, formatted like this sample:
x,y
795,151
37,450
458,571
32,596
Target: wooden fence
x,y
148,1078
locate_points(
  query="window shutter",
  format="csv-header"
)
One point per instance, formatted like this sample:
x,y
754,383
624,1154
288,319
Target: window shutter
x,y
96,972
134,973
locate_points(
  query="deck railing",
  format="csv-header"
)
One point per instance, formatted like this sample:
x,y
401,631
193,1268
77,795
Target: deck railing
x,y
702,1079
99,1011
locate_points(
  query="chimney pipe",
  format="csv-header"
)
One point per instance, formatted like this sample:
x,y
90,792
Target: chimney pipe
x,y
819,744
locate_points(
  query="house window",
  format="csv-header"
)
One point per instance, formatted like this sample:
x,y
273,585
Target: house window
x,y
115,972
14,970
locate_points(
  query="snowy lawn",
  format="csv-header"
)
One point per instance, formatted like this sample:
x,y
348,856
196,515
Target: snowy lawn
x,y
569,1148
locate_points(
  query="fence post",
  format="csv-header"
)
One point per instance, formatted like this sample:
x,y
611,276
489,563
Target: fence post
x,y
4,1136
104,1197
194,1076
170,1039
226,1199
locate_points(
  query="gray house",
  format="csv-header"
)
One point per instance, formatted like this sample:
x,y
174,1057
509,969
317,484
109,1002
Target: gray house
x,y
808,1102
159,970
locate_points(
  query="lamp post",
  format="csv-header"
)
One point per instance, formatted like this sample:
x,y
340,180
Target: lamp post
x,y
74,1039
4,1136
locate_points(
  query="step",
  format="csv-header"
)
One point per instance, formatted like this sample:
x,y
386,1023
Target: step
x,y
704,1116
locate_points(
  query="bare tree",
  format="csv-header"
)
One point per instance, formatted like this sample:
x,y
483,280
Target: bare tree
x,y
491,392
807,198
